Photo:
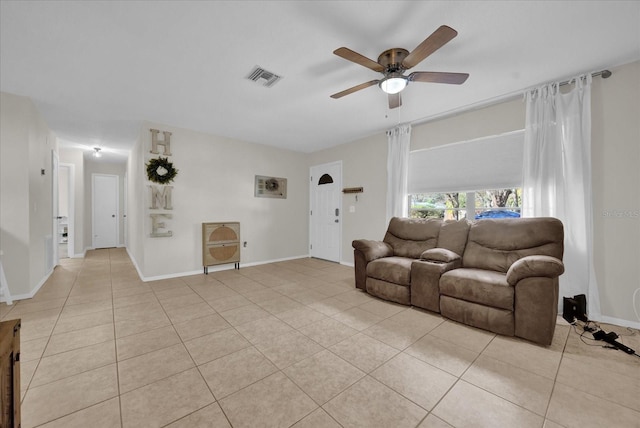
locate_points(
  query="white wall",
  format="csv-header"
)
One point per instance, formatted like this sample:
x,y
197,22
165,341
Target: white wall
x,y
216,183
616,190
63,192
136,203
14,191
26,212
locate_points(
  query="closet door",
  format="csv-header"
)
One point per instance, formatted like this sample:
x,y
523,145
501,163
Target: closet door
x,y
105,210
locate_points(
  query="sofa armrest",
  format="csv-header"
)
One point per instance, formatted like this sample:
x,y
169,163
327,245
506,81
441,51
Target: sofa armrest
x,y
534,266
372,250
439,255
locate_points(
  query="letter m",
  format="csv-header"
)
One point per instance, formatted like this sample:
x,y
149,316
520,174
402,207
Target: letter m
x,y
161,197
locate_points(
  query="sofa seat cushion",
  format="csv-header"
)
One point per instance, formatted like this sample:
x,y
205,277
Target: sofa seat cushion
x,y
497,320
479,286
389,291
391,269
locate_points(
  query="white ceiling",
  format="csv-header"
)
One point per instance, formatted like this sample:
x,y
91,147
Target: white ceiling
x,y
96,69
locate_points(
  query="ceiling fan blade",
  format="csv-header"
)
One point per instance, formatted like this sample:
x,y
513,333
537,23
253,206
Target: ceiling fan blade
x,y
435,41
354,89
395,100
438,77
352,56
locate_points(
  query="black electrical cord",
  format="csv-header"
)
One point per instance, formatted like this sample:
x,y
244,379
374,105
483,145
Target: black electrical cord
x,y
587,328
582,336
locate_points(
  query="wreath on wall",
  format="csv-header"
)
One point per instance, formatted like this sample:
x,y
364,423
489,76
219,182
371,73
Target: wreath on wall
x,y
161,171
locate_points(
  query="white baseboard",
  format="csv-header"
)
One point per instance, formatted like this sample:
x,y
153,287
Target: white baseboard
x,y
304,256
620,322
33,292
347,264
135,263
174,275
211,268
84,253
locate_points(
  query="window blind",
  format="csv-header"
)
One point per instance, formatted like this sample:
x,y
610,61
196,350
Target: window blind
x,y
493,162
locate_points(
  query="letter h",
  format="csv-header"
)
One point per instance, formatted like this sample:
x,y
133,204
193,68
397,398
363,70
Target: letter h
x,y
165,143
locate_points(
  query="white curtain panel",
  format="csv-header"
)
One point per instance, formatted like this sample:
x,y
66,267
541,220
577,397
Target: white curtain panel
x,y
557,179
397,170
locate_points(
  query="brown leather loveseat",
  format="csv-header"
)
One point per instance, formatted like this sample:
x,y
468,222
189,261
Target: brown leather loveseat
x,y
500,275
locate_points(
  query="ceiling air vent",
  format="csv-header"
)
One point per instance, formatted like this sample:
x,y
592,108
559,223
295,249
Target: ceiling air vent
x,y
264,77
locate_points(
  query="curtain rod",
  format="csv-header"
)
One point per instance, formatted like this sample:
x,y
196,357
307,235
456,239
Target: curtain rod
x,y
493,101
604,73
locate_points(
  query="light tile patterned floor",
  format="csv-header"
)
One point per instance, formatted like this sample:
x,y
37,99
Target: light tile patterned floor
x,y
292,344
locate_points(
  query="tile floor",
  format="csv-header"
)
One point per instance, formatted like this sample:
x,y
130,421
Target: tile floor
x,y
292,344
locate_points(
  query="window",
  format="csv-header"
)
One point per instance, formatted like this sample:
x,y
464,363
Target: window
x,y
438,205
494,203
486,163
472,179
325,179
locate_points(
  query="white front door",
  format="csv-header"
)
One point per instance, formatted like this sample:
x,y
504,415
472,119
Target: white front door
x,y
105,210
326,211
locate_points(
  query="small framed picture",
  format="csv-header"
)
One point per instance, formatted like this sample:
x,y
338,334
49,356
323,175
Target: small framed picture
x,y
270,187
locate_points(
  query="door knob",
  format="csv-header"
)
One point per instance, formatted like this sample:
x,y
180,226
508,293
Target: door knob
x,y
113,215
337,221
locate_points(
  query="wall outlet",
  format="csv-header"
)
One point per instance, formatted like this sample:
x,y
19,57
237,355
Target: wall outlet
x,y
352,208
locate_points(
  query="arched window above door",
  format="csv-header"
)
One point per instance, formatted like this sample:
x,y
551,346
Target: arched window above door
x,y
325,179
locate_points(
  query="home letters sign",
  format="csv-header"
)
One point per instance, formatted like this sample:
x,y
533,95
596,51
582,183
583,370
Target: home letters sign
x,y
160,172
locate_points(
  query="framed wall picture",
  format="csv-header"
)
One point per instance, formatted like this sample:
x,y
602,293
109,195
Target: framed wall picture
x,y
270,187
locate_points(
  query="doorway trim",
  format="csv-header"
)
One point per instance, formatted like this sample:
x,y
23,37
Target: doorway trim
x,y
55,164
71,236
125,208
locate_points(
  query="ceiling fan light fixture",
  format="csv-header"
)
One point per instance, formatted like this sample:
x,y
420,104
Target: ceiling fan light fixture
x,y
96,152
393,84
393,62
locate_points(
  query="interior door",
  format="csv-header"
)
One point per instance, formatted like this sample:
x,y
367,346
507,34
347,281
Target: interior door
x,y
326,211
105,210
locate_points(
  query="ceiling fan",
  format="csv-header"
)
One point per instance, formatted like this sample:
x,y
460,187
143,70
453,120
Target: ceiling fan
x,y
392,63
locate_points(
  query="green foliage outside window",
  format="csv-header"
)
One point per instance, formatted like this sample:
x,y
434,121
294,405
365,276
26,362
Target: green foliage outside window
x,y
453,205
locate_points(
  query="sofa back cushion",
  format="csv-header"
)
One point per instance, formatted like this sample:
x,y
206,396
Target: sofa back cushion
x,y
453,235
495,244
410,237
